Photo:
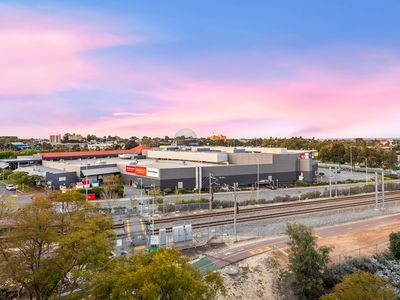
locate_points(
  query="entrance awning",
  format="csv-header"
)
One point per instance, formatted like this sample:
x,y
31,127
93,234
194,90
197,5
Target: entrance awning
x,y
100,171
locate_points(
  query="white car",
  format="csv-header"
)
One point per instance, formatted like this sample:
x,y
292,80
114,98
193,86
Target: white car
x,y
11,187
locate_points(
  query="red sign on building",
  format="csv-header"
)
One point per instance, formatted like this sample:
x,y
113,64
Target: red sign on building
x,y
137,170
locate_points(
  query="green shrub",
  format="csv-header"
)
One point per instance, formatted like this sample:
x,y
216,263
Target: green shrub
x,y
97,191
394,247
168,191
6,154
28,152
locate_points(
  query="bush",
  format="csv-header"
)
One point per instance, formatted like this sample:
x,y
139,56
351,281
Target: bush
x,y
82,191
168,191
335,273
6,174
6,154
394,247
28,152
97,191
361,285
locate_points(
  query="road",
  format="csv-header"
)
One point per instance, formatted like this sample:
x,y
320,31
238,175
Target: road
x,y
234,255
359,169
343,175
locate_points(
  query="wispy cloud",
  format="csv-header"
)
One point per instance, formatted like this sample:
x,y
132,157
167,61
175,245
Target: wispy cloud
x,y
45,54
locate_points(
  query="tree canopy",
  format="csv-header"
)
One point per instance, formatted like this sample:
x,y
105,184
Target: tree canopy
x,y
307,263
55,245
164,274
361,285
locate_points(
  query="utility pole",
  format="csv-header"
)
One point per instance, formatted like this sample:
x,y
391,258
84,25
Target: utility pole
x,y
258,179
141,196
336,188
376,190
366,171
152,219
235,207
210,191
383,190
86,181
330,182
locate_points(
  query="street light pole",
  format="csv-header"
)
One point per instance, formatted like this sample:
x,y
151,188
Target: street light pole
x,y
376,190
210,191
383,190
235,210
330,182
86,183
152,219
366,171
258,179
141,196
336,187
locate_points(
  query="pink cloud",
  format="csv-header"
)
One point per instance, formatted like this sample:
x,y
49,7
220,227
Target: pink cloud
x,y
45,54
323,102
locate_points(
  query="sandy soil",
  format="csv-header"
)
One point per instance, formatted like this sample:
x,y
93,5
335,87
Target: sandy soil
x,y
362,243
254,280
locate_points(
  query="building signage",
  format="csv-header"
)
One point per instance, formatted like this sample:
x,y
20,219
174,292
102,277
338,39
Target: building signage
x,y
62,178
151,172
137,170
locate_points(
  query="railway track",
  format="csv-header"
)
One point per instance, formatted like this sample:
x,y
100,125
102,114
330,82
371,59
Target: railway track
x,y
302,211
270,207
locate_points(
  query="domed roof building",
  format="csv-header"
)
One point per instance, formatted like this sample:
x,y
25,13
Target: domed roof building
x,y
185,137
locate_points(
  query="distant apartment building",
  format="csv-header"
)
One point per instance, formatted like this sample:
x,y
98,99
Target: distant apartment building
x,y
75,137
55,139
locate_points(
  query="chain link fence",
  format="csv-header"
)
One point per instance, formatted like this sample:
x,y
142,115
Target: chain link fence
x,y
363,252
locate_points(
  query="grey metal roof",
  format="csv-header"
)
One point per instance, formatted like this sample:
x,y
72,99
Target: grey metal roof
x,y
100,171
4,165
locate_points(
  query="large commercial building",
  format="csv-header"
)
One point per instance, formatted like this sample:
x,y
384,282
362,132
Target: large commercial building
x,y
182,166
191,168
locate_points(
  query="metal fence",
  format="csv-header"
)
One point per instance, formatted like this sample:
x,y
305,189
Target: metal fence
x,y
366,251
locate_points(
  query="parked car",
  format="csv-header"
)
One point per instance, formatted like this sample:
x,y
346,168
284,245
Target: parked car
x,y
11,187
267,184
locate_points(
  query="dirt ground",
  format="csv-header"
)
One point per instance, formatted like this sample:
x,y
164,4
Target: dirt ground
x,y
254,280
361,243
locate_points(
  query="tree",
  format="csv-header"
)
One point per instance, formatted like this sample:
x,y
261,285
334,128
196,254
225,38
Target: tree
x,y
19,178
55,245
361,285
394,246
112,188
307,263
164,274
129,144
28,152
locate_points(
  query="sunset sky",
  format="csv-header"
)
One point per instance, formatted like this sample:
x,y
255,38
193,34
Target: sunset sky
x,y
240,68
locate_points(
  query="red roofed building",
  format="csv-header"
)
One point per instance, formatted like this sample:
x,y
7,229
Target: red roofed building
x,y
88,154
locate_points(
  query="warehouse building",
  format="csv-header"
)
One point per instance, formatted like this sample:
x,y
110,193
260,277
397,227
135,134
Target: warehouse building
x,y
189,167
